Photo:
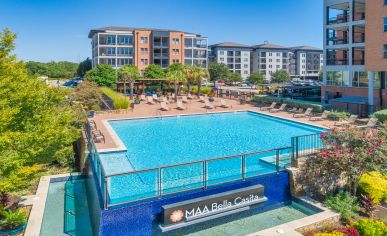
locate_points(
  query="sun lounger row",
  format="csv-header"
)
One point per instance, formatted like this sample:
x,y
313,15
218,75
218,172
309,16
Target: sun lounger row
x,y
97,134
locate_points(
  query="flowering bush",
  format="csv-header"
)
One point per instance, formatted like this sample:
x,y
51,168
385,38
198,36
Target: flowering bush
x,y
351,231
368,227
345,157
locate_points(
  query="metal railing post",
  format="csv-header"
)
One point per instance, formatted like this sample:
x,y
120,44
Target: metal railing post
x,y
243,167
159,193
204,175
277,160
296,148
105,205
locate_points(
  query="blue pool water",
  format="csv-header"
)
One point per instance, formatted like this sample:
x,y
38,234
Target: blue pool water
x,y
159,142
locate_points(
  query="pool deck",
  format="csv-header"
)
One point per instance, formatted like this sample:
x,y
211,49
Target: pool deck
x,y
143,110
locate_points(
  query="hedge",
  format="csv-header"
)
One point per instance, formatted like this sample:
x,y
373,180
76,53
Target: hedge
x,y
194,90
381,115
120,101
317,107
369,227
338,115
374,184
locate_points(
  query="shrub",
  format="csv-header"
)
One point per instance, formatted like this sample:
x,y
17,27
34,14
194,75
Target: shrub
x,y
344,204
96,107
14,219
381,115
338,115
329,234
194,90
374,184
120,101
369,227
294,103
351,231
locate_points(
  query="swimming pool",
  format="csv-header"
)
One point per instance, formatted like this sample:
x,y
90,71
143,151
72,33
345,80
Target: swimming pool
x,y
196,141
157,142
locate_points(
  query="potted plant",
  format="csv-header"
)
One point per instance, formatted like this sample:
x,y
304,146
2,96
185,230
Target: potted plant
x,y
13,222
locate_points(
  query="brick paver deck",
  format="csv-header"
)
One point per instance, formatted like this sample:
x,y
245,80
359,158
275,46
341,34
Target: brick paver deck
x,y
193,107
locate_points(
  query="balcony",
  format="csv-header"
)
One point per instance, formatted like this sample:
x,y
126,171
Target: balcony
x,y
359,62
338,13
336,62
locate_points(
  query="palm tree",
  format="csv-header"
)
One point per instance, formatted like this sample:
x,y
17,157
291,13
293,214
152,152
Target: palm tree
x,y
200,73
129,73
176,77
189,73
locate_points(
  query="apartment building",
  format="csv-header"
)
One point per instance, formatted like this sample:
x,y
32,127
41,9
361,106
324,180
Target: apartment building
x,y
269,58
118,46
236,56
305,62
355,54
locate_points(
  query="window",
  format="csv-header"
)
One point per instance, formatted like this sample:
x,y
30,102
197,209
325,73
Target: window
x,y
263,54
270,54
175,41
278,66
270,60
278,60
230,53
246,54
124,40
175,51
174,61
245,59
144,51
221,59
245,72
110,51
245,66
278,54
125,51
144,39
221,52
385,50
144,62
111,40
270,66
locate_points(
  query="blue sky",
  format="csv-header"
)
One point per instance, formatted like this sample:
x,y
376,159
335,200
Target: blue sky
x,y
57,29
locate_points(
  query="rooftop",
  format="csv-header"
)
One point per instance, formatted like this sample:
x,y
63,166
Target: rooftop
x,y
305,47
270,46
230,44
131,29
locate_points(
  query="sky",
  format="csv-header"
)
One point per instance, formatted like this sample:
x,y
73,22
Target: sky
x,y
56,30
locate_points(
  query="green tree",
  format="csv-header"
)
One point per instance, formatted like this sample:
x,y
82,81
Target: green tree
x,y
280,76
218,71
154,71
235,77
176,76
175,66
129,73
84,67
61,69
88,94
37,123
102,74
256,78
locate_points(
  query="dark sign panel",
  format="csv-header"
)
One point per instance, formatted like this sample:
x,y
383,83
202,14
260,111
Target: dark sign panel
x,y
210,206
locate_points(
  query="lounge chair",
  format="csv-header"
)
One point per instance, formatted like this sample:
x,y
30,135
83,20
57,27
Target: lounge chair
x,y
299,111
272,106
164,106
308,112
150,100
202,99
223,104
322,116
351,120
282,108
155,98
142,97
293,110
207,105
189,96
184,99
372,123
164,99
98,137
180,106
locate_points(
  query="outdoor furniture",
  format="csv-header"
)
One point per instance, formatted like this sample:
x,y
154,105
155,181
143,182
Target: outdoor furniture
x,y
180,106
142,97
164,99
207,105
351,120
272,106
293,110
223,104
98,137
202,99
372,123
164,106
184,99
282,108
150,101
308,112
155,98
321,116
189,96
299,111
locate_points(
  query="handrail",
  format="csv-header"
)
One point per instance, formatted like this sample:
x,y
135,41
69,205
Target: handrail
x,y
197,162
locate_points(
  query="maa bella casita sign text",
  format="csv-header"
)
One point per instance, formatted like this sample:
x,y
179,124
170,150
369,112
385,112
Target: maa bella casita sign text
x,y
211,205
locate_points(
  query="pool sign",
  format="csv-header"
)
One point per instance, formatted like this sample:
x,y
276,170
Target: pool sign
x,y
212,206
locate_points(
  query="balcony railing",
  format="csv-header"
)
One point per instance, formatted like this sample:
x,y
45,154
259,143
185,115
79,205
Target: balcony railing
x,y
359,62
343,18
337,62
